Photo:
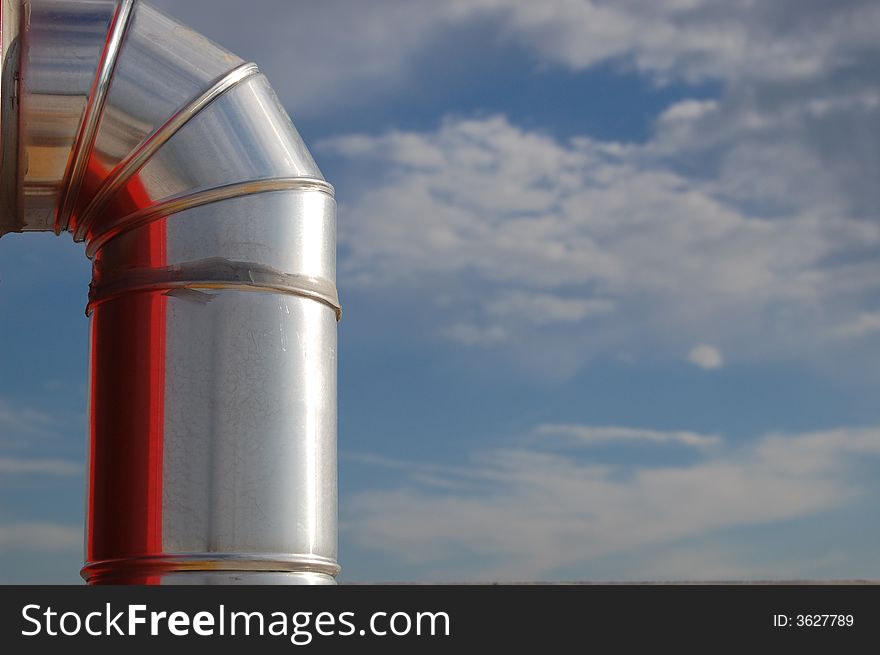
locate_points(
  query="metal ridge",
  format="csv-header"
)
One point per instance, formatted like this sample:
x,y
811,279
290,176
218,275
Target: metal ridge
x,y
216,273
211,562
88,129
139,157
182,202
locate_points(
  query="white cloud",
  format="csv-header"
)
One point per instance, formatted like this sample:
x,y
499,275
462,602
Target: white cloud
x,y
782,41
750,216
475,335
864,324
24,466
589,434
566,250
24,426
40,537
524,514
720,561
706,357
320,54
693,39
25,419
544,308
687,111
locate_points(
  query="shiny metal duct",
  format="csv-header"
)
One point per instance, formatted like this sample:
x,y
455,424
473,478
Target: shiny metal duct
x,y
213,305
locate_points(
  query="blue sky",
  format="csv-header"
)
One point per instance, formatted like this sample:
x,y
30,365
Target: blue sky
x,y
611,280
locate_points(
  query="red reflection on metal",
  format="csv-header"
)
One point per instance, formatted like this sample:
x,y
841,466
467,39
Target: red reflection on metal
x,y
127,405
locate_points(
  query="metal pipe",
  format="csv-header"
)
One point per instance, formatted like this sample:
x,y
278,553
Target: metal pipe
x,y
213,304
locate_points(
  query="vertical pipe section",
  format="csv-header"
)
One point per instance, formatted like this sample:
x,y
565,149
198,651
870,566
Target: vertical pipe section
x,y
212,437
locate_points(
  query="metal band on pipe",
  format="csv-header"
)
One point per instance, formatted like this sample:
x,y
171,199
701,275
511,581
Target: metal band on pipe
x,y
214,562
179,203
88,129
129,166
216,273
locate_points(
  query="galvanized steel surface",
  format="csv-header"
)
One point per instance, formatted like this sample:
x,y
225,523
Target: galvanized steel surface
x,y
213,305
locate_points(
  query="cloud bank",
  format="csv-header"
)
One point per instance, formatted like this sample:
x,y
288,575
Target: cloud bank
x,y
528,513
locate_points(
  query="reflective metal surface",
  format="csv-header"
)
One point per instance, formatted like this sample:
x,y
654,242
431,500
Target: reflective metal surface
x,y
213,302
135,160
10,23
84,144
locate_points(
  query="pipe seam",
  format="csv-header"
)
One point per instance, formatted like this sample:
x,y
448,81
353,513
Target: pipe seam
x,y
139,157
214,562
216,273
182,202
91,119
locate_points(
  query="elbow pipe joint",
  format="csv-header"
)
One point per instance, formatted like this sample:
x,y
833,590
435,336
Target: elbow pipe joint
x,y
213,302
